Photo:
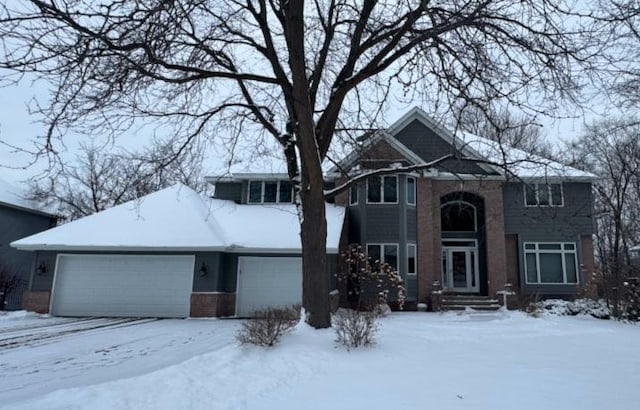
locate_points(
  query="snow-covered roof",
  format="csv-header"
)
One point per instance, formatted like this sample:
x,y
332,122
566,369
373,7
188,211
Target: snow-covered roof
x,y
14,197
179,219
520,163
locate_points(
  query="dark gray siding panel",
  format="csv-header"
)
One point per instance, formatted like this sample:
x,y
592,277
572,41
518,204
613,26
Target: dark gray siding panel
x,y
429,146
412,223
16,224
229,190
209,282
382,223
549,223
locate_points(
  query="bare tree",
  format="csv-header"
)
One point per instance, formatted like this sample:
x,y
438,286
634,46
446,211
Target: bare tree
x,y
9,283
294,71
611,150
99,180
504,127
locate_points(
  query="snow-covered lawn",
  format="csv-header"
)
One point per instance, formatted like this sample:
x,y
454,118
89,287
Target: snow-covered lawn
x,y
421,361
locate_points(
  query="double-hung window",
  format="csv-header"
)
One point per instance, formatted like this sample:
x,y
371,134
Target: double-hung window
x,y
543,195
382,189
383,253
551,263
270,192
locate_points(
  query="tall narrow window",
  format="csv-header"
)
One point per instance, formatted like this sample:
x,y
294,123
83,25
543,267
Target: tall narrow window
x,y
270,191
285,195
374,189
411,259
255,191
353,194
411,190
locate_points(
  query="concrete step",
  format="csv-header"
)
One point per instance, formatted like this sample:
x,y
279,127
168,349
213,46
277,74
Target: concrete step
x,y
483,308
456,301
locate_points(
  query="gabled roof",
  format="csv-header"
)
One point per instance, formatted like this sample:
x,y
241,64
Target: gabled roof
x,y
179,219
517,162
14,197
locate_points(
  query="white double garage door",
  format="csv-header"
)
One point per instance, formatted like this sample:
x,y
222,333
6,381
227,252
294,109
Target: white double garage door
x,y
161,285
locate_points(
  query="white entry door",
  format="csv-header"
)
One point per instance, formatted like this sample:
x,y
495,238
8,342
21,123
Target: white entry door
x,y
460,266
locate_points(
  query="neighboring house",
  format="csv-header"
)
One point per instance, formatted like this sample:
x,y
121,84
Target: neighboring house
x,y
469,224
18,218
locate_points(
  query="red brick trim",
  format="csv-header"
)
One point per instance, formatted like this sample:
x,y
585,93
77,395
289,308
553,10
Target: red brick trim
x,y
36,301
213,304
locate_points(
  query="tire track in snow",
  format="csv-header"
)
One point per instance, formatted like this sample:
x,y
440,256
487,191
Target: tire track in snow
x,y
47,337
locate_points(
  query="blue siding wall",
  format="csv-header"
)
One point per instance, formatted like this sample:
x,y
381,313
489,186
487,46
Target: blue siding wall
x,y
16,224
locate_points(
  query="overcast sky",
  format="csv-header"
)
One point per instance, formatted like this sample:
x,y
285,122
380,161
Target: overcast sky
x,y
18,128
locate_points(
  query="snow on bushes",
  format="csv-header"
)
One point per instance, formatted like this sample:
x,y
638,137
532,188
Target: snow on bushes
x,y
559,307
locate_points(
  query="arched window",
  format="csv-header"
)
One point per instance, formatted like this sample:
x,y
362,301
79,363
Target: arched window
x,y
458,216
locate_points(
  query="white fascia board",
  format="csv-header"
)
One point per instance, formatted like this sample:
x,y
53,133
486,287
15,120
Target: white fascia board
x,y
558,178
245,176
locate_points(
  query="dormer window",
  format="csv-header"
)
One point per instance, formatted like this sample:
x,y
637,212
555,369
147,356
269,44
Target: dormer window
x,y
543,195
265,192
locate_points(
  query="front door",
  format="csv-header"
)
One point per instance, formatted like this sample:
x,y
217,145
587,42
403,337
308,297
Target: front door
x,y
460,266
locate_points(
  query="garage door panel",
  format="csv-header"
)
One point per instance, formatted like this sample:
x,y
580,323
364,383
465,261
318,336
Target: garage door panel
x,y
123,285
266,282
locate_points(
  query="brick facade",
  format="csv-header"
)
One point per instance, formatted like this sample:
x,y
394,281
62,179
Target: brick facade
x,y
429,233
213,304
36,301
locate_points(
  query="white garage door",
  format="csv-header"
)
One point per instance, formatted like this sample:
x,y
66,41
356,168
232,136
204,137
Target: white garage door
x,y
123,285
267,282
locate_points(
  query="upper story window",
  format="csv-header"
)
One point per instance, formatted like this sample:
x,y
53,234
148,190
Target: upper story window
x,y
458,216
353,194
543,195
270,192
382,189
411,190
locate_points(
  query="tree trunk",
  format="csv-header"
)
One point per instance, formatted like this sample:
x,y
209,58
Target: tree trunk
x,y
313,232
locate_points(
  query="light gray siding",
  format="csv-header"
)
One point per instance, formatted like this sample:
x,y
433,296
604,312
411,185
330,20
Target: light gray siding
x,y
16,224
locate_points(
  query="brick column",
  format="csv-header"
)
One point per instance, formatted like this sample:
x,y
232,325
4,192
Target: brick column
x,y
495,237
425,231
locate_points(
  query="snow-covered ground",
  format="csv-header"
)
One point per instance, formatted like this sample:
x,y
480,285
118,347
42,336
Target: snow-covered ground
x,y
422,360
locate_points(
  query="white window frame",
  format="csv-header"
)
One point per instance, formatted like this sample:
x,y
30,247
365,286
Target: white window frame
x,y
475,214
262,182
415,257
354,187
536,190
382,245
562,251
382,201
415,191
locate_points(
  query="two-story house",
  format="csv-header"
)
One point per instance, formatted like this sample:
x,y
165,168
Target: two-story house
x,y
486,216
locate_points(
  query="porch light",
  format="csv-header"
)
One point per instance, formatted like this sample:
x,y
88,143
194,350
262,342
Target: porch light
x,y
41,269
203,270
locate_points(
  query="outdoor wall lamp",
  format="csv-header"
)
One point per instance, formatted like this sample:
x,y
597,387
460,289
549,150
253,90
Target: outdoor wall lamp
x,y
41,269
203,270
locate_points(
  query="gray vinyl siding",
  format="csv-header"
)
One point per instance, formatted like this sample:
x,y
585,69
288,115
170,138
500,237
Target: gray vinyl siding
x,y
429,146
549,224
575,217
229,190
16,224
386,223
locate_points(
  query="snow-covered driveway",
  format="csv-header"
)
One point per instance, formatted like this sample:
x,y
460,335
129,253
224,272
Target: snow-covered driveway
x,y
496,361
39,355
